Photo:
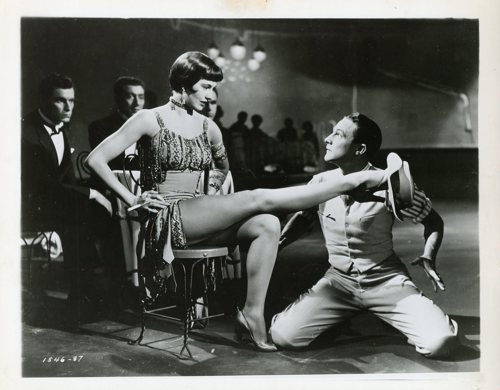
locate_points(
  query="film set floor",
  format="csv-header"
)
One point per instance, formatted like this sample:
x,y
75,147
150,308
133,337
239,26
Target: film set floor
x,y
364,345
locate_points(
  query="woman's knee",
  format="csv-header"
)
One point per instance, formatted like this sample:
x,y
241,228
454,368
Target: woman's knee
x,y
266,225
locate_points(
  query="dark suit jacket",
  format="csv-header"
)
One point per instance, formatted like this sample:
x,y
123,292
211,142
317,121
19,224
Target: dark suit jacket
x,y
103,128
49,192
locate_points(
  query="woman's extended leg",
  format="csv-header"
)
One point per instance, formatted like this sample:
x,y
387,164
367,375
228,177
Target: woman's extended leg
x,y
205,216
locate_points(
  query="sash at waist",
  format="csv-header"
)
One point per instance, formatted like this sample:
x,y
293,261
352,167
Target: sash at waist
x,y
181,182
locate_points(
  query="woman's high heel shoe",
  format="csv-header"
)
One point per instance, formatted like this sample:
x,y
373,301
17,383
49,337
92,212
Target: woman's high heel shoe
x,y
394,164
242,328
380,181
400,184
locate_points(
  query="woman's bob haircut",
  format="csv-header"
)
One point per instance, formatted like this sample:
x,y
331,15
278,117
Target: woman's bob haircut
x,y
191,67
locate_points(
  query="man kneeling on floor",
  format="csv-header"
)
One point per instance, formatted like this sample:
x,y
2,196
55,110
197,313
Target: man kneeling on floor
x,y
365,273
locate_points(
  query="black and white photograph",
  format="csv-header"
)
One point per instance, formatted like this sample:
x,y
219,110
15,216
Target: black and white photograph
x,y
252,195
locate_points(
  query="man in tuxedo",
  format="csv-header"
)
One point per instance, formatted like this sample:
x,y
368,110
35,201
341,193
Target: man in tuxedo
x,y
51,197
129,98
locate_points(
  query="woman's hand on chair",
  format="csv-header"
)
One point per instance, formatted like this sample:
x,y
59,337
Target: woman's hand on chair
x,y
150,201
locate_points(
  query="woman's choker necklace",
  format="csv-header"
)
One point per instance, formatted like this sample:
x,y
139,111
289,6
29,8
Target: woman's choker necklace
x,y
189,110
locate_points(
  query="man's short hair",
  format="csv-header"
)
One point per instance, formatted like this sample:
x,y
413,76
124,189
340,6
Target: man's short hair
x,y
367,132
123,81
53,81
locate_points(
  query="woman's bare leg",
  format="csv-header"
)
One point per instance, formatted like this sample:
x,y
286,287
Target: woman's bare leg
x,y
261,233
202,217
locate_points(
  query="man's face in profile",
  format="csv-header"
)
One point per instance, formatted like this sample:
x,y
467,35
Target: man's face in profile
x,y
340,144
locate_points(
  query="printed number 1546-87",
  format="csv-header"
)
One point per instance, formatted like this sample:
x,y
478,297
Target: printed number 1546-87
x,y
62,359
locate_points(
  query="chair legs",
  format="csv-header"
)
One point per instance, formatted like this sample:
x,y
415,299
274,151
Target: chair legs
x,y
143,325
38,236
187,306
188,313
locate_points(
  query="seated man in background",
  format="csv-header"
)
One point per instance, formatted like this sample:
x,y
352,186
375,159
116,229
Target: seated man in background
x,y
365,273
129,94
51,198
129,98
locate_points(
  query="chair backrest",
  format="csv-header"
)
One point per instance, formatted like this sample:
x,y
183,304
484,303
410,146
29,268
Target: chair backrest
x,y
228,185
128,165
82,169
206,176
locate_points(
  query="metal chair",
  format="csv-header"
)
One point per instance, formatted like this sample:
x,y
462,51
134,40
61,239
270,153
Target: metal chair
x,y
204,259
82,169
129,228
30,239
31,236
209,261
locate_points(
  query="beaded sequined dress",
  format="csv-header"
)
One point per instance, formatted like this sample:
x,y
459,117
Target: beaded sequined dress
x,y
172,165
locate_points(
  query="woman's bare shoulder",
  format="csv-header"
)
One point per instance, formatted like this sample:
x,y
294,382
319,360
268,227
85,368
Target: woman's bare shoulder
x,y
147,120
214,133
146,115
211,125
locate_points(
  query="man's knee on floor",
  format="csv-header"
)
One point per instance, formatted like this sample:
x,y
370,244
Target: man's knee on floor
x,y
440,347
285,337
443,344
284,340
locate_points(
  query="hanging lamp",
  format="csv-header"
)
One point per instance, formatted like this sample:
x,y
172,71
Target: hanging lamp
x,y
213,51
238,50
259,54
220,61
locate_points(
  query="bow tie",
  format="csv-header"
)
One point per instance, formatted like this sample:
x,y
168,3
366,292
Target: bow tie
x,y
55,131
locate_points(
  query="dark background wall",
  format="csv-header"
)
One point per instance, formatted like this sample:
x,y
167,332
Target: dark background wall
x,y
406,74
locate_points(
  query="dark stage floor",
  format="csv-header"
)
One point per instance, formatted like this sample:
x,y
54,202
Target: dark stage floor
x,y
365,345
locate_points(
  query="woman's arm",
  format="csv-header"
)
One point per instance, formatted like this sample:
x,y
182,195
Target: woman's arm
x,y
220,163
141,124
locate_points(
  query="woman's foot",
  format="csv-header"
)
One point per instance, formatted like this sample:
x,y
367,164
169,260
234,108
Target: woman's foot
x,y
394,164
373,179
247,326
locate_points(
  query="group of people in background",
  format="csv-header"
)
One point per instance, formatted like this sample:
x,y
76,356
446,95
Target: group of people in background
x,y
176,143
253,150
